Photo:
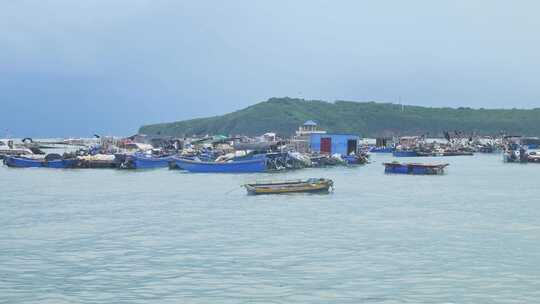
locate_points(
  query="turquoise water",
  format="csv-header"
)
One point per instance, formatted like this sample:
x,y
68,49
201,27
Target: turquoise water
x,y
160,236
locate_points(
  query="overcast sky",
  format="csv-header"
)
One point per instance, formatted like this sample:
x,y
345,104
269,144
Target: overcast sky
x,y
74,68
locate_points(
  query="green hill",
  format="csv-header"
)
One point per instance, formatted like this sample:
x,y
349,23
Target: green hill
x,y
284,115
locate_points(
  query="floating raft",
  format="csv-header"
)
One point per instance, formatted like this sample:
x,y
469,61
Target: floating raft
x,y
412,168
97,161
312,185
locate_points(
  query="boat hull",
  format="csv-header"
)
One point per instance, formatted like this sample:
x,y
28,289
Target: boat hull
x,y
143,162
17,162
247,166
381,150
146,163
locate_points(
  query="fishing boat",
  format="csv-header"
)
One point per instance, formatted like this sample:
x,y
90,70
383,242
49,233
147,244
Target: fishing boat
x,y
245,166
312,185
50,161
414,168
145,161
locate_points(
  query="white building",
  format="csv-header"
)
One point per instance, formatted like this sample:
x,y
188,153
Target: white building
x,y
303,135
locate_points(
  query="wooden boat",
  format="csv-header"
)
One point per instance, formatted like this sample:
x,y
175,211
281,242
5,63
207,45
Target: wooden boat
x,y
414,168
245,166
312,185
48,162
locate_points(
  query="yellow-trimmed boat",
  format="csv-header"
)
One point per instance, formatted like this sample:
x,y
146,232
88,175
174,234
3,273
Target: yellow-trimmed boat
x,y
312,185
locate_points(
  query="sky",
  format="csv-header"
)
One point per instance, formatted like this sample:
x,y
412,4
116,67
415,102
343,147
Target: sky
x,y
75,68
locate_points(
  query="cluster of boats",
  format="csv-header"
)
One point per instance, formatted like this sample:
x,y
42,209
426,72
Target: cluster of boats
x,y
516,149
252,164
192,161
522,150
416,146
134,161
263,158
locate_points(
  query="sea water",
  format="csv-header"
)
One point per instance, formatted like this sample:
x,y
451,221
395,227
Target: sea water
x,y
161,236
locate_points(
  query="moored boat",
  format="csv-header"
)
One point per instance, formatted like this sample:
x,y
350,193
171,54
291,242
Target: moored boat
x,y
245,166
414,168
50,161
312,185
144,161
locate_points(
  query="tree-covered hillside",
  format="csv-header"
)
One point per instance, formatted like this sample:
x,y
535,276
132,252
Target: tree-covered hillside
x,y
284,115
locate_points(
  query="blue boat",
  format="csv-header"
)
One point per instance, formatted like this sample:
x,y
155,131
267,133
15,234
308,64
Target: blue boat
x,y
22,162
142,161
404,153
245,166
416,169
381,150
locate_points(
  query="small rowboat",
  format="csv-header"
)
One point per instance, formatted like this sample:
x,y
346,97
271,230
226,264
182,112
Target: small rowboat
x,y
312,185
412,168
